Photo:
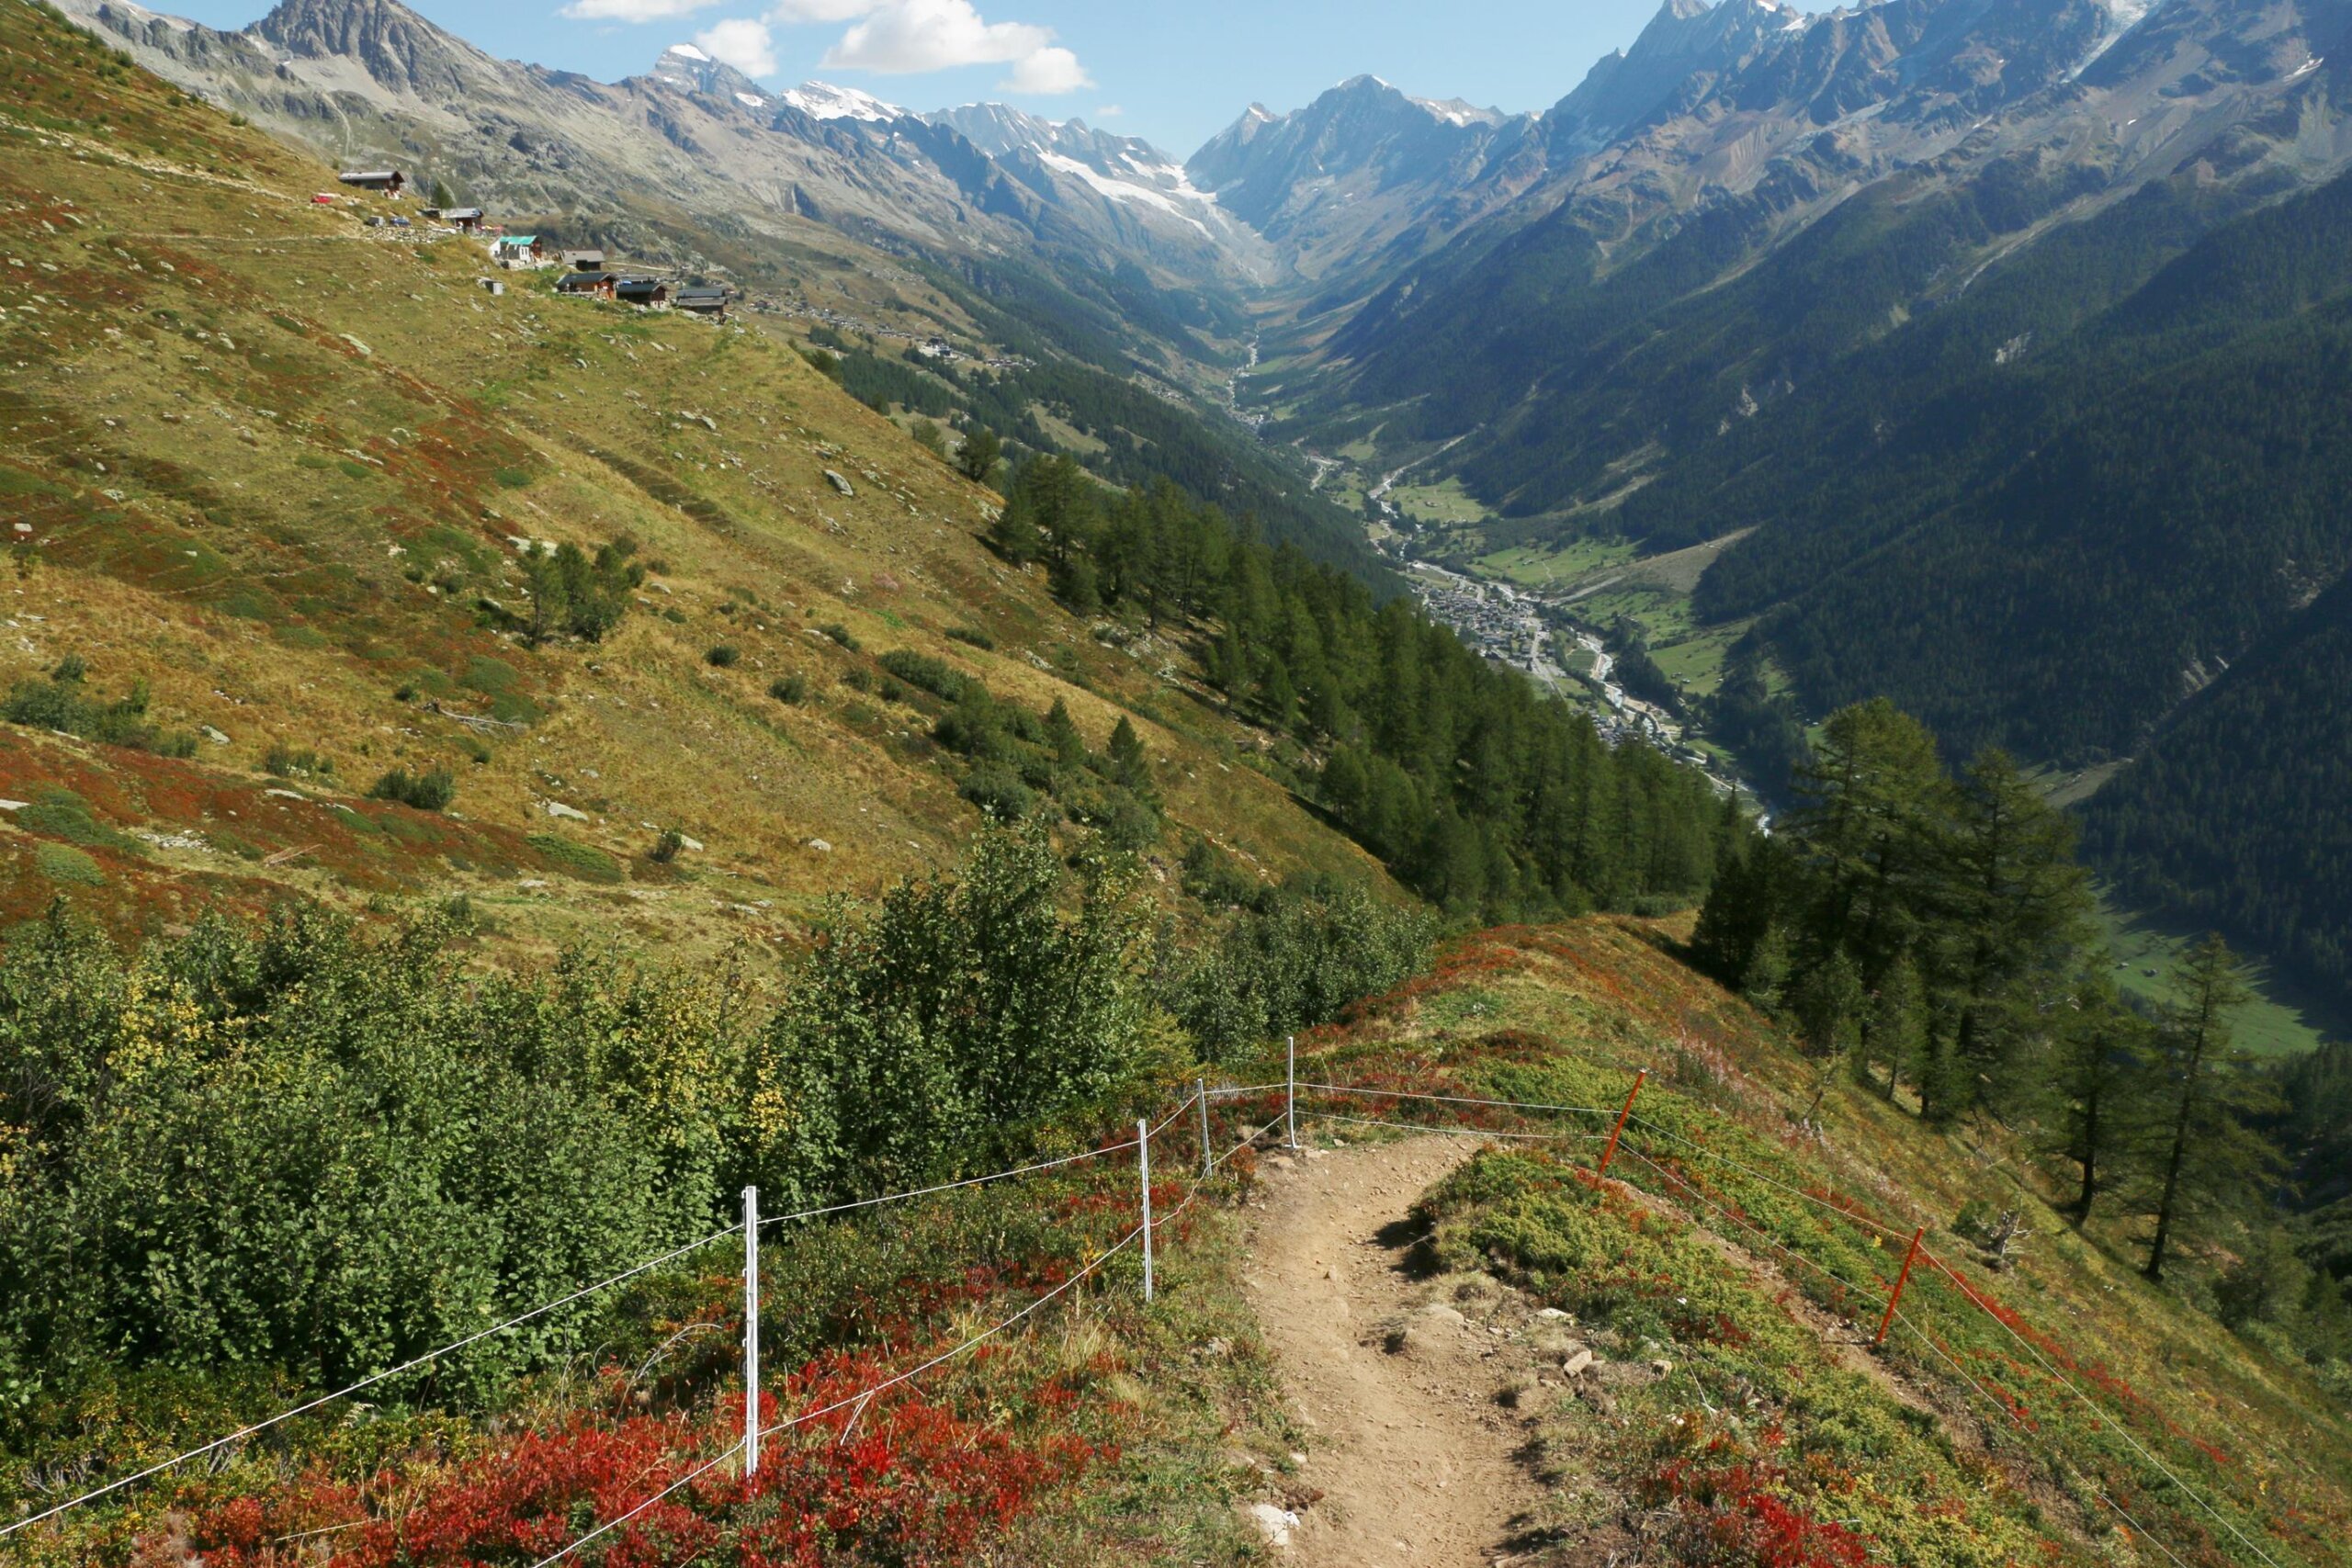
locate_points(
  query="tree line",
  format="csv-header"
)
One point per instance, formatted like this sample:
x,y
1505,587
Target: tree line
x,y
1930,933
1485,796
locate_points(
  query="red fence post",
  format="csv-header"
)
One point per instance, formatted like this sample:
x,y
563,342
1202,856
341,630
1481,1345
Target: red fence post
x,y
1609,1153
1902,1280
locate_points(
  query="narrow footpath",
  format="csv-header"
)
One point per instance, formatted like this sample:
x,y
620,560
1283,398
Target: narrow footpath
x,y
1414,1452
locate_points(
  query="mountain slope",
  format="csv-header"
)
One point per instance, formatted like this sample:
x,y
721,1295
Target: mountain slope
x,y
371,80
274,463
834,212
1730,1278
1364,175
2008,327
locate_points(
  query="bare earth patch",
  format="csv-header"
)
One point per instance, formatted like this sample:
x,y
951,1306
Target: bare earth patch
x,y
1402,1383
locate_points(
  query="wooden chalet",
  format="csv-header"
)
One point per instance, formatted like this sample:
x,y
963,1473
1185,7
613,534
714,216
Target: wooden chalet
x,y
386,182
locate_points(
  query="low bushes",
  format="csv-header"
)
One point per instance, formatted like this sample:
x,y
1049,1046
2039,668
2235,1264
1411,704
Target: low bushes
x,y
1294,959
585,861
64,703
422,792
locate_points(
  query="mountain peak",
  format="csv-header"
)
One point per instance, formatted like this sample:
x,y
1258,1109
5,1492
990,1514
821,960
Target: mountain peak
x,y
822,100
691,70
396,45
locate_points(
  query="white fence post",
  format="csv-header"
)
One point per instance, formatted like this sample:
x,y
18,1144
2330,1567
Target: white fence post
x,y
1200,1096
1290,1110
1143,1163
751,1332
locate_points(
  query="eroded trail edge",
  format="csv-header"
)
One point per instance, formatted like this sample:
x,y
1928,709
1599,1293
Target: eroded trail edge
x,y
1400,1383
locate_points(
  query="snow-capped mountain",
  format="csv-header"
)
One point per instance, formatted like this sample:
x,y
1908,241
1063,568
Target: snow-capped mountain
x,y
1364,171
1072,163
373,81
822,100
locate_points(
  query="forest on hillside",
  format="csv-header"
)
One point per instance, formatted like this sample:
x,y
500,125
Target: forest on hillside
x,y
1490,799
1928,933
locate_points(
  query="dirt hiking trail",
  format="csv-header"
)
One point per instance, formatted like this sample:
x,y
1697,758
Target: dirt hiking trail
x,y
1414,1455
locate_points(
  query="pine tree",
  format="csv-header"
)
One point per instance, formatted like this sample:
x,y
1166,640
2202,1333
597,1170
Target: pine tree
x,y
2094,1103
982,454
1765,981
2017,903
1828,1005
1126,763
1063,739
1897,1030
1872,798
2211,1089
1014,535
543,587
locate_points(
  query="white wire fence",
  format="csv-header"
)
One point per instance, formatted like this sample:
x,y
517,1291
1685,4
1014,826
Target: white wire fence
x,y
1198,1102
1200,1096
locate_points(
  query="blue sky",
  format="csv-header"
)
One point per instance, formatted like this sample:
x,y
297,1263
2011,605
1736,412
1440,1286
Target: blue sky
x,y
1177,74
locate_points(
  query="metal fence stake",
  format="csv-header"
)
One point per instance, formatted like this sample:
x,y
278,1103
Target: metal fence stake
x,y
751,1332
1901,1281
1143,1165
1290,1103
1609,1154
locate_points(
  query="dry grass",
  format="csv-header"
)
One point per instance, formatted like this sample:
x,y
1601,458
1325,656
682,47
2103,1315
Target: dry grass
x,y
268,460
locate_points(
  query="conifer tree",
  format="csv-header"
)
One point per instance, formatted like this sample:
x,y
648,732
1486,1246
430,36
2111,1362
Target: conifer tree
x,y
982,454
1871,797
2209,1157
2094,1114
1126,762
1896,1029
2017,902
1765,982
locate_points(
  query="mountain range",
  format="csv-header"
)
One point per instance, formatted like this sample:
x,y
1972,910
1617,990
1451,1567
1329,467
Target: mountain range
x,y
1938,308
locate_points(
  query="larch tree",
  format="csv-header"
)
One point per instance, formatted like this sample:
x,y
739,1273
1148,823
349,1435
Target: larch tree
x,y
2209,1089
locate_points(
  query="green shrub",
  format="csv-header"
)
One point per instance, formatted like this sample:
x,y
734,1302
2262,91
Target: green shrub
x,y
934,1034
584,862
667,848
285,762
1296,960
569,593
790,690
972,637
840,634
64,703
726,656
998,790
67,867
425,792
62,814
924,673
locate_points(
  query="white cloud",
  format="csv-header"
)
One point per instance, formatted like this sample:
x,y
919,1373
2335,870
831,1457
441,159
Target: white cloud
x,y
1109,111
1046,70
904,37
633,10
741,42
792,13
